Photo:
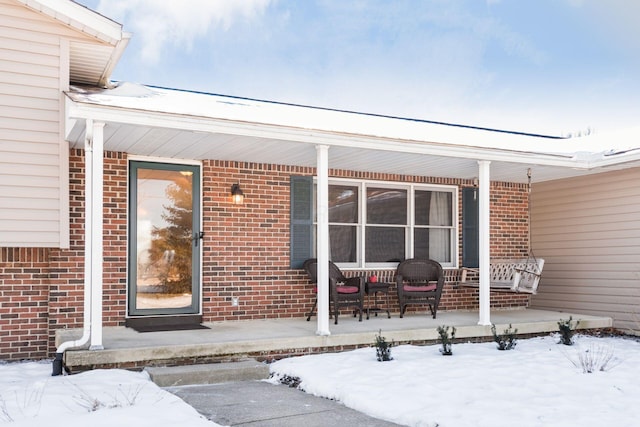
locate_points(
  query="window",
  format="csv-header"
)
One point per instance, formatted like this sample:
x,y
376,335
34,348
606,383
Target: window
x,y
378,224
386,223
433,225
343,223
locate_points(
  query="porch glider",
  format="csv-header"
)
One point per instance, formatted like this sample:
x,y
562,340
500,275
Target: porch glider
x,y
513,275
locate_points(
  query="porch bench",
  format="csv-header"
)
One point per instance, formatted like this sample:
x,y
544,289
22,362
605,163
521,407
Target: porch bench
x,y
512,275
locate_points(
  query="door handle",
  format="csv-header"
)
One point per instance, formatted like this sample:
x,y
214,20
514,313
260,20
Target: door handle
x,y
198,236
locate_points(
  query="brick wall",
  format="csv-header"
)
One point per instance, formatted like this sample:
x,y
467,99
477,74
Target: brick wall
x,y
246,247
245,254
509,220
24,298
115,239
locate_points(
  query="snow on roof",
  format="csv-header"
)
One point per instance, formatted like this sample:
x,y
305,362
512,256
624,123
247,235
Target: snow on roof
x,y
134,96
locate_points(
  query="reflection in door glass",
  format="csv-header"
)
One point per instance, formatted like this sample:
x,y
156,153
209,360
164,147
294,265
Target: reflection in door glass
x,y
164,239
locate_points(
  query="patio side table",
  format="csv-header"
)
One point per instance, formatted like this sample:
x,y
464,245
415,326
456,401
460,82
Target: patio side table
x,y
373,288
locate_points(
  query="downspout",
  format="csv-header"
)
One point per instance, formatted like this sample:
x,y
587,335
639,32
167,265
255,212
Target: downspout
x,y
88,256
97,176
116,54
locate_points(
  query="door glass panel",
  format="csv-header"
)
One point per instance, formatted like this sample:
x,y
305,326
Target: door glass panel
x,y
164,242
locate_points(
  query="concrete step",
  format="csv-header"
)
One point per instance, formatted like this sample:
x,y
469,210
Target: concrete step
x,y
212,373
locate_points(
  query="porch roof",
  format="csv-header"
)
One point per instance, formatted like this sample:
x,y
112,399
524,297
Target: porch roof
x,y
169,123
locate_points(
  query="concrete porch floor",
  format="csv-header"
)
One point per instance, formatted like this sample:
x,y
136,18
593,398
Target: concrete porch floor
x,y
272,338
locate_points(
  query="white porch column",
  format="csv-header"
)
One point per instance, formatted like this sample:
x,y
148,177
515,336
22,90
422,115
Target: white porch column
x,y
484,243
322,239
96,231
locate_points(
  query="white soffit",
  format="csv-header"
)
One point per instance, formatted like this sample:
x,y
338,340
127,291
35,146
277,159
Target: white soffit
x,y
90,63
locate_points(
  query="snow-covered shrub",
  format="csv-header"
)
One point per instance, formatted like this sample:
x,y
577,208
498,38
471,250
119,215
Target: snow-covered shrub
x,y
383,348
567,330
5,416
123,398
507,340
446,340
596,358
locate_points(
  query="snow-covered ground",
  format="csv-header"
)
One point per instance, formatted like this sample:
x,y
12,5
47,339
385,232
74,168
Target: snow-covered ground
x,y
539,383
30,396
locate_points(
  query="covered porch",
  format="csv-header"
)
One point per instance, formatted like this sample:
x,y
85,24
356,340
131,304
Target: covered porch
x,y
114,127
271,339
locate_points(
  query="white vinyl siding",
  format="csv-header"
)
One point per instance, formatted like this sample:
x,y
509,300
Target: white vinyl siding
x,y
33,155
30,172
588,231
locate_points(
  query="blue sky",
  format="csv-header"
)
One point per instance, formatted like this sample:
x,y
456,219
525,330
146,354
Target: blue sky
x,y
543,66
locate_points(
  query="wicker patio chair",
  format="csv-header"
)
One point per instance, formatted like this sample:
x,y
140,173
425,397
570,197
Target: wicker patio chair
x,y
419,281
343,291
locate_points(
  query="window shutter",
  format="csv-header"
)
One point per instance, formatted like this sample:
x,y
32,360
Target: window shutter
x,y
470,225
301,244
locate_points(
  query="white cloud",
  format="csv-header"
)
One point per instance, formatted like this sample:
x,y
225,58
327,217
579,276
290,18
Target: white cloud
x,y
477,63
159,25
489,29
615,19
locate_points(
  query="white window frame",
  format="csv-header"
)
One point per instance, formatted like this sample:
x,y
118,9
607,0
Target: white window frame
x,y
410,226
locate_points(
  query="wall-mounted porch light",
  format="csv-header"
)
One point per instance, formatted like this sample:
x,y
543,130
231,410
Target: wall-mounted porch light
x,y
237,196
475,188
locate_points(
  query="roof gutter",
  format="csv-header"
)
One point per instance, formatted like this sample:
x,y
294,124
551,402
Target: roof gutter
x,y
79,109
616,163
105,78
79,17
